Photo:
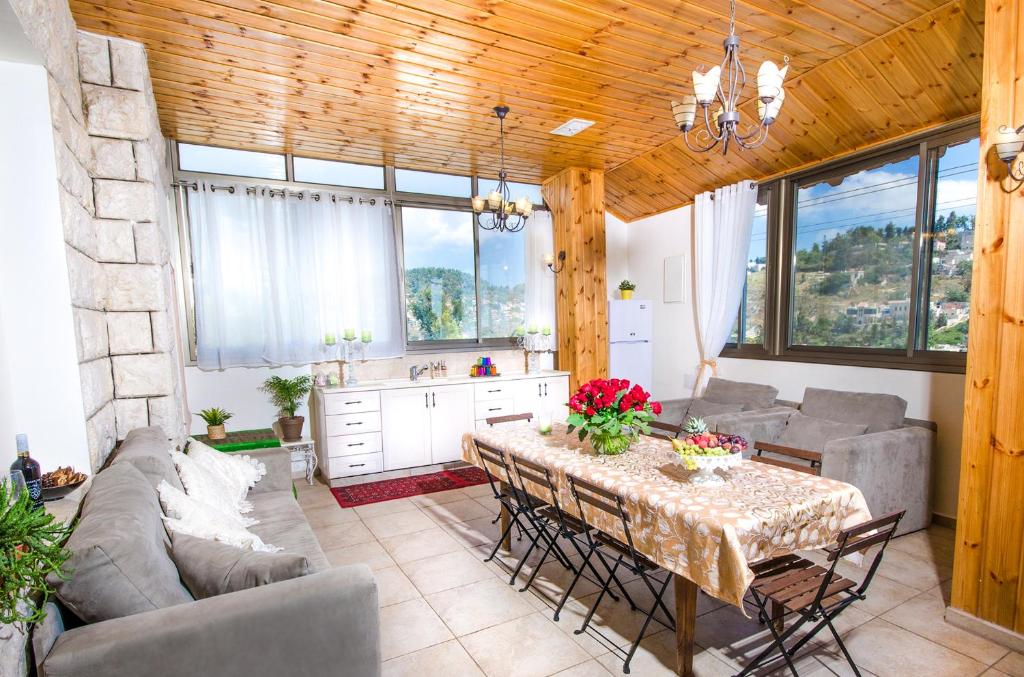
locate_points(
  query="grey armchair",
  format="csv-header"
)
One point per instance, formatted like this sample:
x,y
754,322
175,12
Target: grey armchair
x,y
865,440
721,398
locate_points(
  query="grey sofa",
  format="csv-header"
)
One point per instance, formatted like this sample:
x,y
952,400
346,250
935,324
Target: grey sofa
x,y
722,397
323,623
890,461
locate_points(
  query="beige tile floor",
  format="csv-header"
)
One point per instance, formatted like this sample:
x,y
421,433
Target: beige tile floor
x,y
445,612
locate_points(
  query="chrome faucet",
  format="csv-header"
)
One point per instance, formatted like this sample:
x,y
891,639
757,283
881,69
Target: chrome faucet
x,y
414,372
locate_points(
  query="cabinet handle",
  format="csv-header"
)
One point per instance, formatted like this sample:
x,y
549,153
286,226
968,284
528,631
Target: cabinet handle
x,y
495,391
355,423
538,391
357,444
357,465
426,400
545,390
494,409
433,398
355,402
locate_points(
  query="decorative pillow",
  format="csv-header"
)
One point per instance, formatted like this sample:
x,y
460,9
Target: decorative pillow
x,y
806,432
186,515
701,408
119,562
878,411
750,395
209,568
207,485
239,471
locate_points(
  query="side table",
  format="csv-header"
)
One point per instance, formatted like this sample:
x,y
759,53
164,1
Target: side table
x,y
308,449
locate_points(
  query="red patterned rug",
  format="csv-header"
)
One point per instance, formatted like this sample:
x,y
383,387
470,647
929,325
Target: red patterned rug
x,y
403,487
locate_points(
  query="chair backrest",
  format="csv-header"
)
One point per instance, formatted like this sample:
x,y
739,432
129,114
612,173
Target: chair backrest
x,y
605,501
492,459
667,431
859,538
809,461
511,418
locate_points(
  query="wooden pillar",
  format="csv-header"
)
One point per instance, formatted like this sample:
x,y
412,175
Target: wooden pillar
x,y
988,573
576,199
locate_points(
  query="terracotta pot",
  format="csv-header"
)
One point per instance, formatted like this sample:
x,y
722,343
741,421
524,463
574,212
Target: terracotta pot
x,y
216,432
626,294
291,427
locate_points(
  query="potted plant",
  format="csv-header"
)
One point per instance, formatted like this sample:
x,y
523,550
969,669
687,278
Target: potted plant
x,y
215,418
626,289
612,413
286,394
31,550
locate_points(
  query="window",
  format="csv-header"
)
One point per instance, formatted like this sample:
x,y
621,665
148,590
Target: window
x,y
854,255
530,190
950,247
440,274
502,283
309,170
752,306
211,160
431,183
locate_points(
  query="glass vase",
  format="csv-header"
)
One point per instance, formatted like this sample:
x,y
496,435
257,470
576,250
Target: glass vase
x,y
611,445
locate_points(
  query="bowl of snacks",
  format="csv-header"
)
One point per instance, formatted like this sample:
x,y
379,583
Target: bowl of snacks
x,y
706,452
61,482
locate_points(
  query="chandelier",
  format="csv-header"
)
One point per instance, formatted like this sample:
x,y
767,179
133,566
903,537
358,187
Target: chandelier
x,y
723,126
497,211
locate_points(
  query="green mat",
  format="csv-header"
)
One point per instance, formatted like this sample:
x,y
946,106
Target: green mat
x,y
243,440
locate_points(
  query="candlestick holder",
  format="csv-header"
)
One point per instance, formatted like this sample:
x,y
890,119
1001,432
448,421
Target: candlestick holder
x,y
535,345
354,350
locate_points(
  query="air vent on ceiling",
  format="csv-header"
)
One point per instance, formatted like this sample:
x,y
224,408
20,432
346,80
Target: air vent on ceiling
x,y
572,127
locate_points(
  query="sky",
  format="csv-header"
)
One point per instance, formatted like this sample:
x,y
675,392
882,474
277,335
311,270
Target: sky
x,y
876,197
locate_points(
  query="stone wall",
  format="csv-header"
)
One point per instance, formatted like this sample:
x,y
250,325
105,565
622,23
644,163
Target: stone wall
x,y
114,184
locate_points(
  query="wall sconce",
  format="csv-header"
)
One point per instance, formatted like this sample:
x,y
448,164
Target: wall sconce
x,y
1009,143
549,259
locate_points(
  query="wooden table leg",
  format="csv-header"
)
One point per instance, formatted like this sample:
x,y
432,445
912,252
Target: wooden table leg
x,y
686,621
506,544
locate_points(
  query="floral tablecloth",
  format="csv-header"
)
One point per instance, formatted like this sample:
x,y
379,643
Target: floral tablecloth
x,y
707,534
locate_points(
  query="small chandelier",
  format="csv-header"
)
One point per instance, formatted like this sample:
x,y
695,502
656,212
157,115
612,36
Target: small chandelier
x,y
497,211
724,125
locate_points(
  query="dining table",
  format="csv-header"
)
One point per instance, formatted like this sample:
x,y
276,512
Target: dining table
x,y
706,536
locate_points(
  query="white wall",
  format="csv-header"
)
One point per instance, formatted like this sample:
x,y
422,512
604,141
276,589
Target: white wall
x,y
932,396
617,256
237,390
40,388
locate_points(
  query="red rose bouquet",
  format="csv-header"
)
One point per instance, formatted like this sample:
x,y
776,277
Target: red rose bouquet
x,y
612,412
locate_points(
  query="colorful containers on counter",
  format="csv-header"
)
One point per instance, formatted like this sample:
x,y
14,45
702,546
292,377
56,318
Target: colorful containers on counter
x,y
484,367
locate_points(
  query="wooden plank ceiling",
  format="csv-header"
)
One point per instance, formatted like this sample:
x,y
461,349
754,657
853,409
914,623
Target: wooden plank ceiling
x,y
412,82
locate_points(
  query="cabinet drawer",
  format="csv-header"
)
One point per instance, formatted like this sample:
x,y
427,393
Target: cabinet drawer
x,y
489,408
349,445
492,391
352,424
355,465
351,403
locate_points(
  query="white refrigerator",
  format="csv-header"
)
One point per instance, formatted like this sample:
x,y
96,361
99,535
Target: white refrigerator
x,y
629,338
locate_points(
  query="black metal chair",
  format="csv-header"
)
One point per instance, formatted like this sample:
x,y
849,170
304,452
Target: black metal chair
x,y
563,525
794,585
624,554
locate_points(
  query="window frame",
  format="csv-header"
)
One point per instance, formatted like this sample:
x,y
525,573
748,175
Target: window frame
x,y
393,198
780,288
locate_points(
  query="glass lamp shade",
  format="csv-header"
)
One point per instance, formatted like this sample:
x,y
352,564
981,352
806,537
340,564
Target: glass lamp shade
x,y
494,200
527,209
769,111
684,112
705,85
522,204
1009,143
479,203
769,80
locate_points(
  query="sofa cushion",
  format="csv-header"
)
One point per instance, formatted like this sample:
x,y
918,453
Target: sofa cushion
x,y
210,568
806,432
119,560
704,408
878,411
147,449
750,395
282,522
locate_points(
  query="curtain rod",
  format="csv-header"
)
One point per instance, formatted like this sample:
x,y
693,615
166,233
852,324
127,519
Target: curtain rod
x,y
282,192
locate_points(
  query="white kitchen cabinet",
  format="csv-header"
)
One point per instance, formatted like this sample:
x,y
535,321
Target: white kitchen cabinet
x,y
451,417
405,420
537,394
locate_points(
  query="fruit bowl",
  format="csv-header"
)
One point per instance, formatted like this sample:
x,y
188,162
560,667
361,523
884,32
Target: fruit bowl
x,y
707,452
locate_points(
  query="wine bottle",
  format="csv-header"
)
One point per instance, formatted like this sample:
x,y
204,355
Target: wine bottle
x,y
29,468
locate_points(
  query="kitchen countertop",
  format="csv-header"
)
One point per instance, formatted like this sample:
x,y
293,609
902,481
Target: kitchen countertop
x,y
427,382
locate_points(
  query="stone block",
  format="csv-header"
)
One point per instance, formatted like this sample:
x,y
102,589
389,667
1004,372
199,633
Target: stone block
x,y
113,159
73,176
165,337
115,241
97,385
149,160
90,334
101,433
133,287
86,279
78,227
128,62
149,243
129,333
130,200
93,59
142,375
165,412
68,124
117,113
131,414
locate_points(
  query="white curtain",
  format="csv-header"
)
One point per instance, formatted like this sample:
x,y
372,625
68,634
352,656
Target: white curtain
x,y
540,281
721,239
273,275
